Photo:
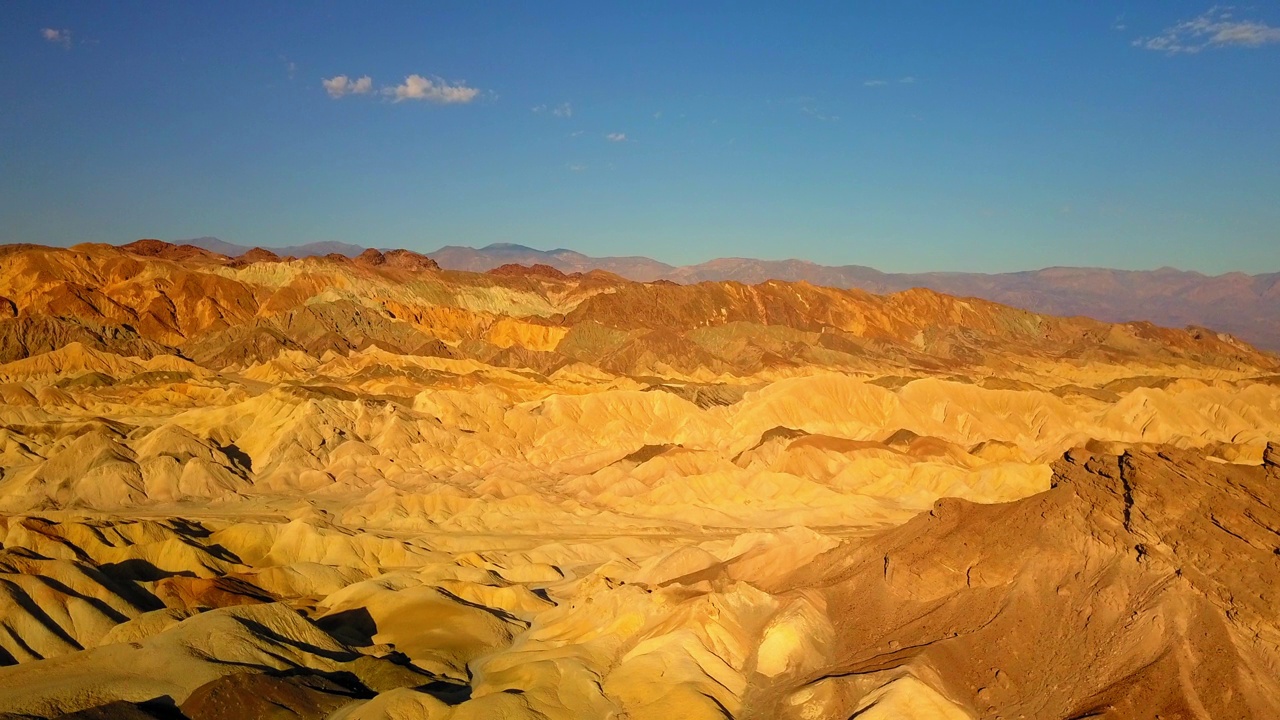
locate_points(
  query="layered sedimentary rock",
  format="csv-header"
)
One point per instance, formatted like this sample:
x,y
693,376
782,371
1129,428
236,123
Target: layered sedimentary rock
x,y
1246,305
365,487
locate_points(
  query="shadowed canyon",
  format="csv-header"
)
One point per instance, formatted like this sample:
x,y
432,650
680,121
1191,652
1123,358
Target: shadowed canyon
x,y
368,487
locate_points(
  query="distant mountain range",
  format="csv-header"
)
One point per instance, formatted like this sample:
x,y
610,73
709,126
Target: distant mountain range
x,y
213,244
1247,306
632,267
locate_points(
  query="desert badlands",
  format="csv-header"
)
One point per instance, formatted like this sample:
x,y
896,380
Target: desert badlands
x,y
356,488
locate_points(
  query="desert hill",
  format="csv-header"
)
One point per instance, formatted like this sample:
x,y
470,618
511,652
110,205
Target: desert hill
x,y
1244,305
219,311
363,486
1238,303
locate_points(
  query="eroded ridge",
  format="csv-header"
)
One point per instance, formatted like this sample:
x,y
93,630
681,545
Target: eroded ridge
x,y
364,487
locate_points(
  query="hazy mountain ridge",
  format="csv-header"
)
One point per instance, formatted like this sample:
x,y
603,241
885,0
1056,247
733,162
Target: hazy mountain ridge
x,y
1247,306
213,244
221,311
634,267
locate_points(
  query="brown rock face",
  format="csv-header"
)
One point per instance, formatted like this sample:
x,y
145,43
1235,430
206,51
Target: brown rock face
x,y
25,336
191,593
1083,601
154,297
169,251
246,695
535,270
402,259
409,260
148,247
258,255
1247,306
371,257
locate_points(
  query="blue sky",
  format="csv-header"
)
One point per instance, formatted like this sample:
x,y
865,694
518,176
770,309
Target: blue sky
x,y
907,136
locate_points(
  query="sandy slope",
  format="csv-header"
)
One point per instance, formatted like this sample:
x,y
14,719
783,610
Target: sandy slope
x,y
363,488
1139,583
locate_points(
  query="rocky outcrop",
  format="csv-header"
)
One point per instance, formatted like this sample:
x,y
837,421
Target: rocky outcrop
x,y
402,259
535,270
150,295
1083,601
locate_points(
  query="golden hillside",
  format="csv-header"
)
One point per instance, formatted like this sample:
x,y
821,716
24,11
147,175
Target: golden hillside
x,y
366,487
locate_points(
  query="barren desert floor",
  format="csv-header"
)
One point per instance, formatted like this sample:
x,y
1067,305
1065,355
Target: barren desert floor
x,y
367,488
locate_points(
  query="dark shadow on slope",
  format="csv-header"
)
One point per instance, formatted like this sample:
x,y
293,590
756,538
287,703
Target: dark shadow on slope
x,y
159,708
446,692
237,456
496,612
355,627
140,570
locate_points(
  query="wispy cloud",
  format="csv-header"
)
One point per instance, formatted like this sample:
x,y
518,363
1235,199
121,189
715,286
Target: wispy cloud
x,y
340,85
878,82
1119,24
616,137
417,87
57,37
1217,27
574,167
414,87
818,114
563,110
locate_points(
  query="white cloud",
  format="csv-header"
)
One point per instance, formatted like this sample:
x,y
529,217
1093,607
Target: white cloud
x,y
1217,27
906,80
818,114
563,110
417,87
574,167
616,137
340,85
57,37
